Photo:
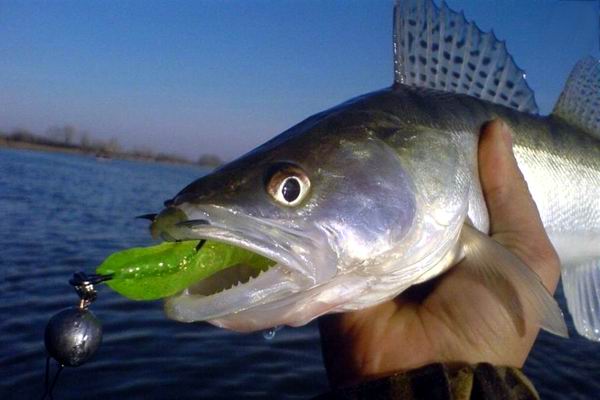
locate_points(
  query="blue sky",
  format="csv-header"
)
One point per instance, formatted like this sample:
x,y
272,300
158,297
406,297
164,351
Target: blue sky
x,y
193,77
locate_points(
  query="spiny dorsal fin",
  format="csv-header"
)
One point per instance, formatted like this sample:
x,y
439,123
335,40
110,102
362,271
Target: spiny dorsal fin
x,y
579,102
437,48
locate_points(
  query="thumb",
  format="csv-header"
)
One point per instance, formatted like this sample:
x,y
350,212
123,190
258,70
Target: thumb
x,y
514,218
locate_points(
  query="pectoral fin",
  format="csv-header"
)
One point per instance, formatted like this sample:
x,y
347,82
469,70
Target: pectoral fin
x,y
519,289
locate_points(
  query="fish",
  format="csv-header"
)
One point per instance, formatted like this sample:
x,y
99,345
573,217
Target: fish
x,y
359,202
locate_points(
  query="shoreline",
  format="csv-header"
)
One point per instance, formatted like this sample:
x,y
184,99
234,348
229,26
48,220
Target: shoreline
x,y
22,145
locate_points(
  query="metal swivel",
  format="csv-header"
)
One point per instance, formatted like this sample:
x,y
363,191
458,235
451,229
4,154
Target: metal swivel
x,y
74,334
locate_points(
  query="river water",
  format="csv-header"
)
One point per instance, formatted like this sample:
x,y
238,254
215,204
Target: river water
x,y
61,213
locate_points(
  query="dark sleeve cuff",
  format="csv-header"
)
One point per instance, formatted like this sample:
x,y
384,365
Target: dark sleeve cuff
x,y
443,382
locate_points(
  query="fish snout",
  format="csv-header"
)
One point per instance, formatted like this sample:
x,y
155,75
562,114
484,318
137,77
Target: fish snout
x,y
169,203
168,222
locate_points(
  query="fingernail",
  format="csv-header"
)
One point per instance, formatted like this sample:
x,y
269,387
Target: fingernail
x,y
506,135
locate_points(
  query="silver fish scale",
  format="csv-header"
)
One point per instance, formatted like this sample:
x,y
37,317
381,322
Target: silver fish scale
x,y
563,190
561,165
560,162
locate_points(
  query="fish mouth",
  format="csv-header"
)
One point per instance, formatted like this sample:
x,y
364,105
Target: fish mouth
x,y
239,287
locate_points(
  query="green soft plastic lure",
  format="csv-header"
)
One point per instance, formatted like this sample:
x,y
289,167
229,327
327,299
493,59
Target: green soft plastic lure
x,y
150,273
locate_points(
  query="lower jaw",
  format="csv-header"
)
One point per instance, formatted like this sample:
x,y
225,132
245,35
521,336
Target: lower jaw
x,y
275,283
298,308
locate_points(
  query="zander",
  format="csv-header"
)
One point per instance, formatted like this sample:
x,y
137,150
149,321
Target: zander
x,y
357,203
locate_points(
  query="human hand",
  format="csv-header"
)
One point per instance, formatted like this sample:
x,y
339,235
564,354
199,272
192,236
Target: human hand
x,y
431,322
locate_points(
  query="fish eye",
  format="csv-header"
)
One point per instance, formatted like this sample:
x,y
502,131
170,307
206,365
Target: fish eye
x,y
288,185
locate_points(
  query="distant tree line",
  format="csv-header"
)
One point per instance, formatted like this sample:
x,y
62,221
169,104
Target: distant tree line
x,y
68,137
210,160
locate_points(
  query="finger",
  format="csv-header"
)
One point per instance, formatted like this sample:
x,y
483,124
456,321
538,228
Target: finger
x,y
514,218
510,206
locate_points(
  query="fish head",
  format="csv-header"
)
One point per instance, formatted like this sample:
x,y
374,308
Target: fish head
x,y
323,200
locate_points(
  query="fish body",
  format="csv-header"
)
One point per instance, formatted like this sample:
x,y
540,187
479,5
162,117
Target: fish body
x,y
357,203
